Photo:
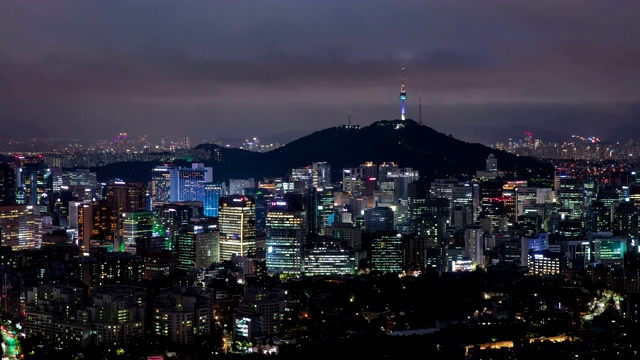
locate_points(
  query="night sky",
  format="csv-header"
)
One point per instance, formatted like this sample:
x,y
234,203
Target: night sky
x,y
214,69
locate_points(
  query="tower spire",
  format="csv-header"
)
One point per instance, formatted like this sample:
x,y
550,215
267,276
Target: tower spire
x,y
349,118
403,95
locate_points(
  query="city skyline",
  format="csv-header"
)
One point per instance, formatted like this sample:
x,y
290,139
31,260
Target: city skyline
x,y
95,69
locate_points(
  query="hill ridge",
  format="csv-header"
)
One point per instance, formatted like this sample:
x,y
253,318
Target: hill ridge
x,y
404,142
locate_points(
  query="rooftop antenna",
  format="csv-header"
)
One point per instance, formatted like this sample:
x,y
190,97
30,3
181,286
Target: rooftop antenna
x,y
349,118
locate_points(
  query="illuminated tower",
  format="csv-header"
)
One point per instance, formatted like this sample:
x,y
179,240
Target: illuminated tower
x,y
403,95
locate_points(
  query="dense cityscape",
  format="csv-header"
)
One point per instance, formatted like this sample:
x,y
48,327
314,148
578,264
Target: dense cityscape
x,y
577,148
179,265
443,180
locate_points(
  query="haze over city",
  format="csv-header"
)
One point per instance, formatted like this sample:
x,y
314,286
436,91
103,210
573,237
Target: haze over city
x,y
483,69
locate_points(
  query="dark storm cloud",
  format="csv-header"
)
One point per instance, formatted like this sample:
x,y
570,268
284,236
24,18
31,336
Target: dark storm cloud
x,y
241,68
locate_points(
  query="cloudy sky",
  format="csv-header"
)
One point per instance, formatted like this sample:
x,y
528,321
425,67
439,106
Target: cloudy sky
x,y
211,69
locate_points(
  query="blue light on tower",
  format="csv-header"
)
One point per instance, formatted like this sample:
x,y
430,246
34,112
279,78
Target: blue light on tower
x,y
403,95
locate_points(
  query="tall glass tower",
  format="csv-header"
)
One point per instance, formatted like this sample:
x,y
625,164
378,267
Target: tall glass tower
x,y
237,223
286,230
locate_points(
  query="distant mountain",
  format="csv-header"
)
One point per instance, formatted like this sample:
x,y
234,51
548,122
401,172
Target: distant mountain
x,y
406,143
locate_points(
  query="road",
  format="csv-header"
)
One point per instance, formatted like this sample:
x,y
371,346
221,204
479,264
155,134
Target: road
x,y
10,348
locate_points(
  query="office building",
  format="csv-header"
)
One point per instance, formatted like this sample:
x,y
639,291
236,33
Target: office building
x,y
211,200
188,184
237,223
7,185
286,231
387,254
198,245
18,226
160,192
136,227
328,257
378,219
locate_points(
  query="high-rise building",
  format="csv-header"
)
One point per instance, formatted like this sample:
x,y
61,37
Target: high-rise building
x,y
80,177
347,232
136,227
427,253
544,262
395,180
211,201
491,202
311,206
286,231
625,222
35,186
418,193
188,184
124,197
172,216
326,212
378,219
474,245
237,186
491,163
361,181
198,245
18,227
329,257
160,192
510,201
303,178
322,175
387,254
570,195
104,226
237,223
7,185
608,249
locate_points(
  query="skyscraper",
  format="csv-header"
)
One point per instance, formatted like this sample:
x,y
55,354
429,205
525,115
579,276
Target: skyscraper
x,y
172,216
378,219
197,245
136,226
237,223
160,184
286,232
386,252
187,184
211,201
124,197
17,226
34,185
